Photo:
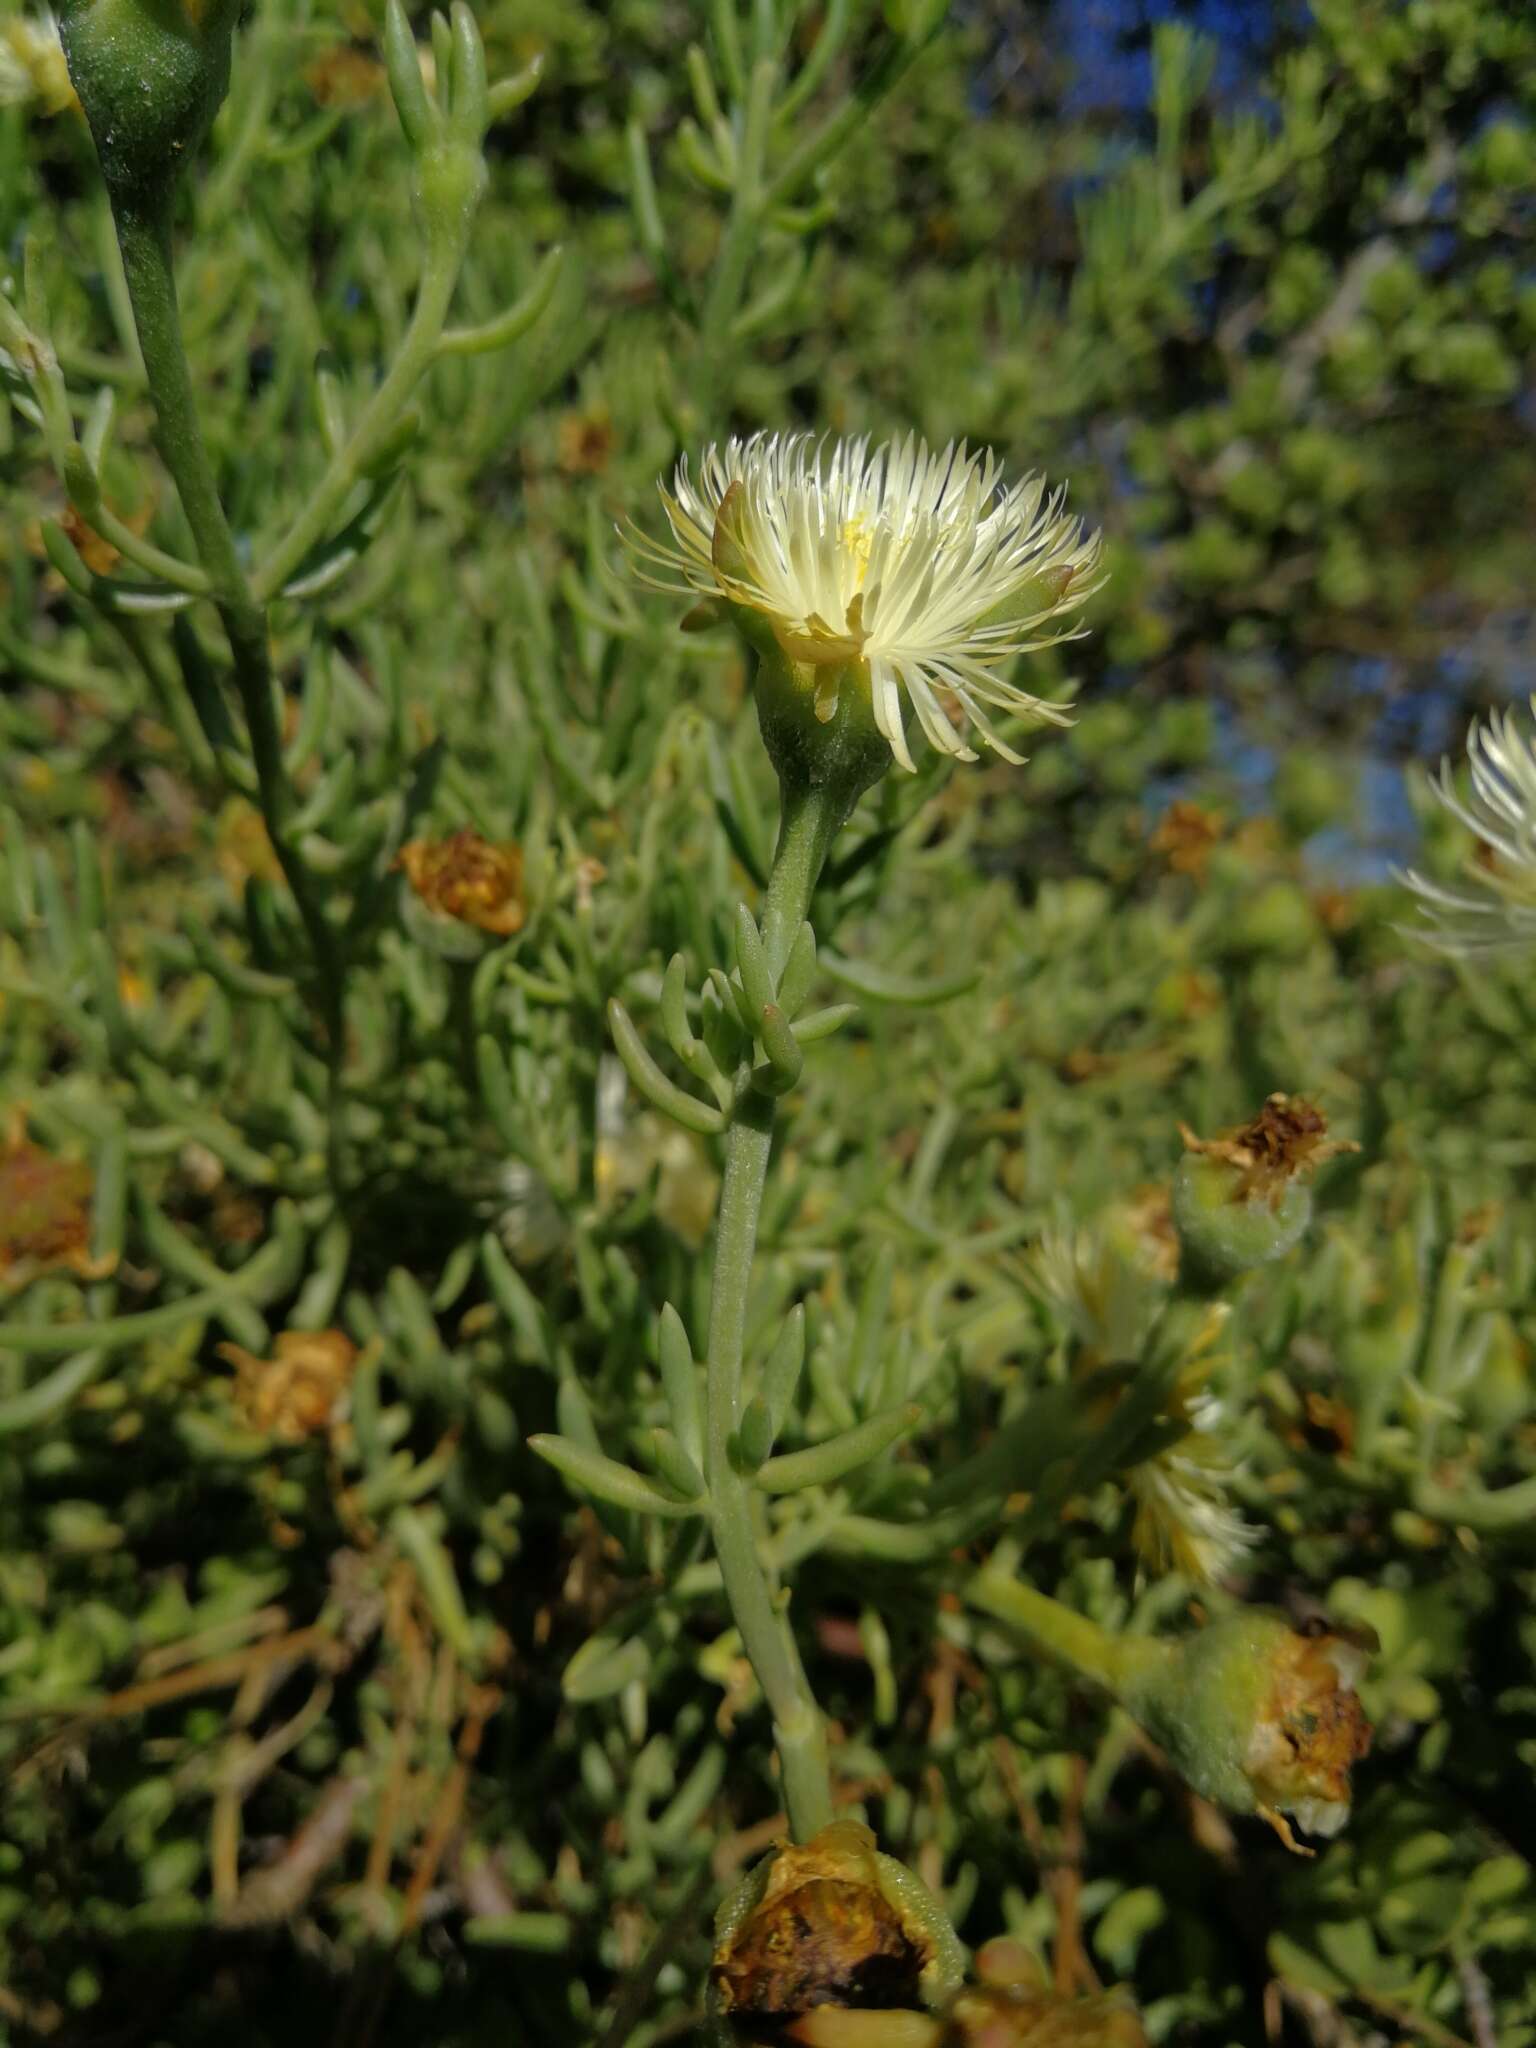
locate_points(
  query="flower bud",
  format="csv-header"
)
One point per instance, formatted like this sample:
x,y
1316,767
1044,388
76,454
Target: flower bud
x,y
1239,1200
830,1923
151,75
1259,1717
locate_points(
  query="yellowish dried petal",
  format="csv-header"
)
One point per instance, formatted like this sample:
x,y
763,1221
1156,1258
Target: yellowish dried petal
x,y
468,878
298,1391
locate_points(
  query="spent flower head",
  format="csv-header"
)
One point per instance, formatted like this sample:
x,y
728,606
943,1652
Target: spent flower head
x,y
1241,1199
829,1923
1496,911
45,1211
1111,1303
912,574
468,878
1260,1717
300,1389
1010,2004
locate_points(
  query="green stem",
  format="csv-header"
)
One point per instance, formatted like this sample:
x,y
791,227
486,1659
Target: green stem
x,y
143,231
1091,1651
810,820
810,823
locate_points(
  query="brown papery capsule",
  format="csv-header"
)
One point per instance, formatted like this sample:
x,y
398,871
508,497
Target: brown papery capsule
x,y
829,1923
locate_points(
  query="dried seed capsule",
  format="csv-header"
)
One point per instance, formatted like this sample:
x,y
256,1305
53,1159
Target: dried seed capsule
x,y
830,1922
467,878
1239,1199
45,1211
1260,1717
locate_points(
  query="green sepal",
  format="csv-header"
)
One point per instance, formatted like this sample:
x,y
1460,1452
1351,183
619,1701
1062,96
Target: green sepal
x,y
1228,1234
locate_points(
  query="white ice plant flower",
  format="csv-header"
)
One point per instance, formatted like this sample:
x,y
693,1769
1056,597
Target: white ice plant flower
x,y
1496,911
1184,1520
32,66
1106,1299
917,572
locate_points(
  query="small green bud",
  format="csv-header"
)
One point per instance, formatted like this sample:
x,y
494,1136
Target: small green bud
x,y
151,75
1238,1200
668,1459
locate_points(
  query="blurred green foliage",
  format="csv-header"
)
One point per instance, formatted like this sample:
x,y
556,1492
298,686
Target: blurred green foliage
x,y
363,1731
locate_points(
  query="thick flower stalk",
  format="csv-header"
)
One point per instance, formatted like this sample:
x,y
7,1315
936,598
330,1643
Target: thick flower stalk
x,y
910,575
1495,912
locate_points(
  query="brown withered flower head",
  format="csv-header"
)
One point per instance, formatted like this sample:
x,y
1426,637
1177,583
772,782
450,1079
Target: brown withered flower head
x,y
1260,1717
297,1392
468,878
1310,1734
1185,836
1287,1138
45,1212
830,1922
585,441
